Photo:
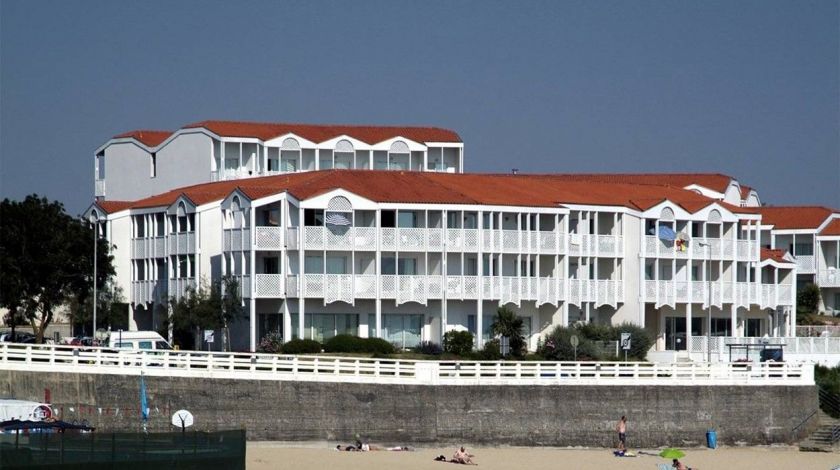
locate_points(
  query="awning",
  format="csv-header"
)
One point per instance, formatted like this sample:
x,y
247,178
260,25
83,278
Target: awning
x,y
338,218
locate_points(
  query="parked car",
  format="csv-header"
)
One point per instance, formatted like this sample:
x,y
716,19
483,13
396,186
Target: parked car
x,y
19,337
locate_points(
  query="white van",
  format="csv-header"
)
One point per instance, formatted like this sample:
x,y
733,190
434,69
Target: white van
x,y
140,340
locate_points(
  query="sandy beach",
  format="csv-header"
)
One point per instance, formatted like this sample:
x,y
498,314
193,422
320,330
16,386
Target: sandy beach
x,y
272,455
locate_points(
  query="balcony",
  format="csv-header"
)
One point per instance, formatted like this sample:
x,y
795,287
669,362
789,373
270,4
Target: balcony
x,y
181,243
148,247
269,286
99,188
346,238
268,238
829,278
805,264
599,291
237,239
717,249
177,287
149,291
743,294
596,245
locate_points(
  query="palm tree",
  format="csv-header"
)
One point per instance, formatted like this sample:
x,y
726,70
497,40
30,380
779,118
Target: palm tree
x,y
506,323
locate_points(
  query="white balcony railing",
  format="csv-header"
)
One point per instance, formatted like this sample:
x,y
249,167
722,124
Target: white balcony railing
x,y
177,287
743,294
796,349
702,248
256,366
829,278
805,264
237,239
99,188
148,247
269,285
268,238
148,291
181,243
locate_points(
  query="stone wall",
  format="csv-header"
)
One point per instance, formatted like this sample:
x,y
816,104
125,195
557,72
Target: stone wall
x,y
416,414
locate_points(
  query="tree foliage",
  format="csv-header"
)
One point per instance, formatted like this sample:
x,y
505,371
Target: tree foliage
x,y
111,310
207,308
507,323
808,299
458,342
46,259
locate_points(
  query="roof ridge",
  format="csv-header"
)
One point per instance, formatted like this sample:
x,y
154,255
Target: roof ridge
x,y
267,123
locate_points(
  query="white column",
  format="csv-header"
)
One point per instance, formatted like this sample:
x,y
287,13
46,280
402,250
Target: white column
x,y
378,271
301,273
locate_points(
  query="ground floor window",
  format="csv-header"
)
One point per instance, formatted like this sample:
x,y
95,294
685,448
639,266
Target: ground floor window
x,y
323,326
472,326
753,327
721,327
269,324
675,332
402,330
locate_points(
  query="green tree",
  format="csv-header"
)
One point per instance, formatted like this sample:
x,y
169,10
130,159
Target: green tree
x,y
507,323
207,308
46,259
458,342
111,310
808,299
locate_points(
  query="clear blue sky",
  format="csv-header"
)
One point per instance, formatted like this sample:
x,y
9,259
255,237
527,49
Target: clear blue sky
x,y
749,89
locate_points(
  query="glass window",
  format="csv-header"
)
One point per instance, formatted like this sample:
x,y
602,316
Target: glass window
x,y
231,164
162,345
343,160
402,330
313,264
336,265
271,266
406,219
804,249
720,327
753,327
313,217
398,161
123,345
408,266
389,265
485,326
144,345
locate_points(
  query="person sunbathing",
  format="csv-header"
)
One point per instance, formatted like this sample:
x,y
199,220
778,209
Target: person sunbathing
x,y
463,457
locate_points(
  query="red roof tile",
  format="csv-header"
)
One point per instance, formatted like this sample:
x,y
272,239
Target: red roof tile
x,y
445,188
321,133
832,229
774,255
745,191
113,206
714,181
148,138
794,217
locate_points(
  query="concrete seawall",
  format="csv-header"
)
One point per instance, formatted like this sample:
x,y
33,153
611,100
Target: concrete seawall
x,y
512,415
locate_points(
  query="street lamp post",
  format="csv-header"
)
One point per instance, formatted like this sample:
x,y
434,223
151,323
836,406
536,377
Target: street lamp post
x,y
94,219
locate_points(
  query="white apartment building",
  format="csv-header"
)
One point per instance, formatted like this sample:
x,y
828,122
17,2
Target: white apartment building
x,y
142,163
812,235
408,255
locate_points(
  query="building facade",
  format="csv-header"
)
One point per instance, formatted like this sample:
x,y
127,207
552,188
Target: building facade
x,y
323,248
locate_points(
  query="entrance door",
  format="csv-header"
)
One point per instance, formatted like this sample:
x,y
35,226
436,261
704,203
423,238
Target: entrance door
x,y
675,339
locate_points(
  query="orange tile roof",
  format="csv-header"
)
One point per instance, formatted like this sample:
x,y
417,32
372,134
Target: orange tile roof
x,y
794,217
321,133
745,191
113,206
148,138
832,229
446,188
776,255
714,181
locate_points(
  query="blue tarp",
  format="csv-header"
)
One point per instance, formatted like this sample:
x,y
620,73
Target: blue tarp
x,y
667,234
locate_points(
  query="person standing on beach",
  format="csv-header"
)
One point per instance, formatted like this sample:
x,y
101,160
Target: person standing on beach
x,y
621,427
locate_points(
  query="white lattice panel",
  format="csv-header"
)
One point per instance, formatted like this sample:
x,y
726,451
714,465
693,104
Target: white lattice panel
x,y
454,287
411,238
338,238
389,239
389,286
268,238
470,287
470,239
547,242
434,287
159,250
511,241
338,288
313,237
364,238
435,239
728,247
313,285
365,286
269,285
138,248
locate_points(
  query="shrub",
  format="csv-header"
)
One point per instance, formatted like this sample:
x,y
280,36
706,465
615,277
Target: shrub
x,y
490,352
506,323
354,344
558,347
828,379
458,342
808,299
641,340
428,347
271,343
302,346
596,332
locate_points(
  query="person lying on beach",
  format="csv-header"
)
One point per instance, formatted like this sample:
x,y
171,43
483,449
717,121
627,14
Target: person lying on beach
x,y
680,466
463,457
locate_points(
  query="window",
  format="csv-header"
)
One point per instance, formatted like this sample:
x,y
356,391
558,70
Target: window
x,y
753,327
407,266
271,217
289,160
720,327
406,219
268,324
313,217
485,326
313,264
144,345
803,249
343,160
389,265
154,164
321,327
388,219
100,159
837,302
336,265
404,331
183,267
271,266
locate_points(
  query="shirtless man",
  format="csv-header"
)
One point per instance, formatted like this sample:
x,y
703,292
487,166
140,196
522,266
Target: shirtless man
x,y
621,427
461,456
